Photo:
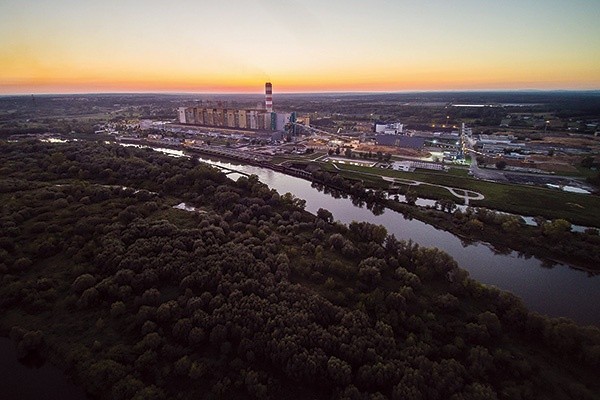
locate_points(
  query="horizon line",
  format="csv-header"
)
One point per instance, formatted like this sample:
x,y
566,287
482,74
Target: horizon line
x,y
298,92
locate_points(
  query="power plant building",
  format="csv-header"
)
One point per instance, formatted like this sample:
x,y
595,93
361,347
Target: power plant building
x,y
254,119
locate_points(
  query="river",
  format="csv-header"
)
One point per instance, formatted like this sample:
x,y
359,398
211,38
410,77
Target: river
x,y
557,290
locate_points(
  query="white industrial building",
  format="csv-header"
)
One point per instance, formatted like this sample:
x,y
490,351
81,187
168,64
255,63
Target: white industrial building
x,y
389,129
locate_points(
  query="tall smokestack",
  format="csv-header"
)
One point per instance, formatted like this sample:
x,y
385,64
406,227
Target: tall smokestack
x,y
269,97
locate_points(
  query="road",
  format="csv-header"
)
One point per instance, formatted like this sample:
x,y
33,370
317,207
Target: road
x,y
485,174
466,195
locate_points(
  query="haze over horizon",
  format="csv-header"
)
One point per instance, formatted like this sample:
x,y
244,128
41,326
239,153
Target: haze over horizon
x,y
188,46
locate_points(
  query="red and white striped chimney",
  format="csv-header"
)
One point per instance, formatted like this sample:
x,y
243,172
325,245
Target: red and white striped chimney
x,y
269,97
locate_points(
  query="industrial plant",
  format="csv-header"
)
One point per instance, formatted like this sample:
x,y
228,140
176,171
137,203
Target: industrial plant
x,y
263,118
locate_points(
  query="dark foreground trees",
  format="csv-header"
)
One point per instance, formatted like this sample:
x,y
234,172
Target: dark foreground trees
x,y
250,296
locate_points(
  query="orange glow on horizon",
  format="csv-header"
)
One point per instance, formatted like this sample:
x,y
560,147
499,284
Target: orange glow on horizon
x,y
309,46
382,79
31,77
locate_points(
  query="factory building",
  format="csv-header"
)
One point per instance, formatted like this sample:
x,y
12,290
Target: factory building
x,y
389,129
255,119
400,141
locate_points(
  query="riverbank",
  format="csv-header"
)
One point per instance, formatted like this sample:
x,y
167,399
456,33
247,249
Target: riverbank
x,y
557,290
504,232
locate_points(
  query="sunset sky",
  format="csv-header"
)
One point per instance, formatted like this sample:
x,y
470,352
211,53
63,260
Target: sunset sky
x,y
65,46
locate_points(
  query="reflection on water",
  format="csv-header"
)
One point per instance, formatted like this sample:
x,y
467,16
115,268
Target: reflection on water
x,y
558,291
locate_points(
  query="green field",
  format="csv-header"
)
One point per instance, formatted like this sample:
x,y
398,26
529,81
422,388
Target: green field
x,y
580,209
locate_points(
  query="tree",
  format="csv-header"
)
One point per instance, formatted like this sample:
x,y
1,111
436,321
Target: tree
x,y
411,197
104,374
369,271
88,298
126,388
146,361
27,342
447,205
337,241
325,215
197,370
501,164
556,228
474,225
117,309
83,282
339,371
218,334
196,336
22,263
150,393
479,391
368,232
293,200
491,322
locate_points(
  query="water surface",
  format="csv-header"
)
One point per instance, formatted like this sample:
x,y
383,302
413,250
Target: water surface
x,y
554,290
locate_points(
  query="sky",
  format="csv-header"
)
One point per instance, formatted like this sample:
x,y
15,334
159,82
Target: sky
x,y
88,46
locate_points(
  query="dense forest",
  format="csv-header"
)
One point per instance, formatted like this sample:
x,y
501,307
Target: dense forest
x,y
246,295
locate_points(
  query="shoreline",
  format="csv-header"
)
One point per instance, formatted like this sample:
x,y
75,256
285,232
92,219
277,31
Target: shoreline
x,y
417,212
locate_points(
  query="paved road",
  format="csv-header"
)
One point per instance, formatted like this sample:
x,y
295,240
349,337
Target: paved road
x,y
466,195
486,174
